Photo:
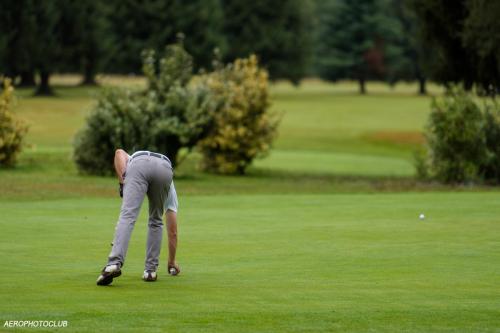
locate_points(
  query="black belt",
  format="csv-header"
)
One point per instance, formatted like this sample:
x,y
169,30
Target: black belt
x,y
148,153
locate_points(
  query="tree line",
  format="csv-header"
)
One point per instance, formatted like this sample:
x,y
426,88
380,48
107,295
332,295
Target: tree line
x,y
361,40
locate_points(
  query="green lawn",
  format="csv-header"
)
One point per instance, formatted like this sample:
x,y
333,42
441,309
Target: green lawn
x,y
264,263
330,140
322,235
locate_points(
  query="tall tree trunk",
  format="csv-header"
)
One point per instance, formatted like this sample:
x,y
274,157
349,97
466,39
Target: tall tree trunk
x,y
468,84
89,75
44,87
422,87
27,79
362,88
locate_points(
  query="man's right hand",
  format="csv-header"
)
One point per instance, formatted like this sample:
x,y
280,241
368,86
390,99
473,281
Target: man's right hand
x,y
176,267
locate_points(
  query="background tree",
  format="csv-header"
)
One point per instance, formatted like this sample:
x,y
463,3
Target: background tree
x,y
280,34
408,65
53,35
354,40
482,35
47,55
202,25
92,39
18,40
137,25
441,25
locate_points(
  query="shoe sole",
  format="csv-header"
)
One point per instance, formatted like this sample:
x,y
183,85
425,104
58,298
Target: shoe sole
x,y
106,280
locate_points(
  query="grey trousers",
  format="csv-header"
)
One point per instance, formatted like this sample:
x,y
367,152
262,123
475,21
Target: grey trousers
x,y
145,175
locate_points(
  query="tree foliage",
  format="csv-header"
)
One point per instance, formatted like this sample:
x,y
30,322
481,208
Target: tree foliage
x,y
243,127
223,112
12,130
408,64
490,168
137,25
84,37
456,147
482,35
441,24
169,115
18,39
53,35
279,33
463,140
355,40
337,39
463,37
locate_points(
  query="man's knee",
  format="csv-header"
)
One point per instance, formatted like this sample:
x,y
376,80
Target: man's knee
x,y
155,223
128,216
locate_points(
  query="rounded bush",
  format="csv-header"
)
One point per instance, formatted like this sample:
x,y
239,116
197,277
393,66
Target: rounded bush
x,y
12,130
463,140
170,114
243,127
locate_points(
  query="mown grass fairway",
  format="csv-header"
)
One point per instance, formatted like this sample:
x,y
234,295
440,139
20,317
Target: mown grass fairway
x,y
266,263
321,236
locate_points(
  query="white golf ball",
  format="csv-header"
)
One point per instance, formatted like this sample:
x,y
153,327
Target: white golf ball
x,y
173,271
421,216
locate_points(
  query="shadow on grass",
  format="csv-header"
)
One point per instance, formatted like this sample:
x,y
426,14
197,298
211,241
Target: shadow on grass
x,y
61,92
291,96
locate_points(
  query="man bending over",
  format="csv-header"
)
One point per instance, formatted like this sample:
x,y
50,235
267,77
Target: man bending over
x,y
143,173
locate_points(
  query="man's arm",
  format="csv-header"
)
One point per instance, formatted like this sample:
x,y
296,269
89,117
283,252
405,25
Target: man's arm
x,y
121,159
172,239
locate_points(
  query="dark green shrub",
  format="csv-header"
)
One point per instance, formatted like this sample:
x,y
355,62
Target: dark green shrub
x,y
12,130
455,138
421,162
169,115
490,169
243,127
119,120
463,140
181,112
